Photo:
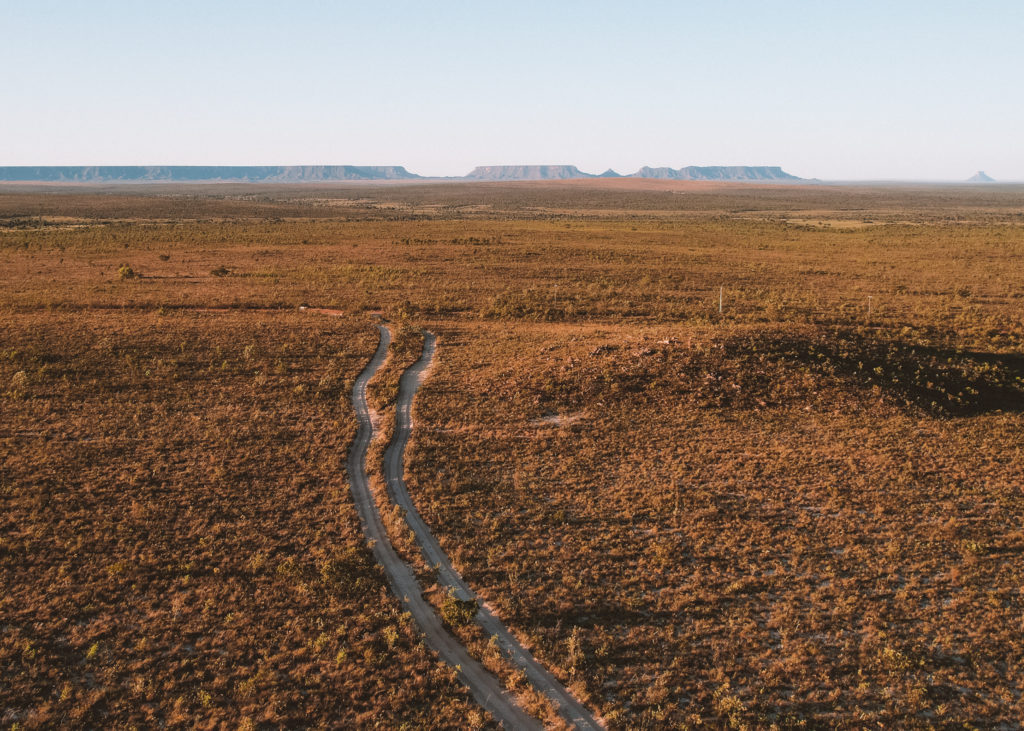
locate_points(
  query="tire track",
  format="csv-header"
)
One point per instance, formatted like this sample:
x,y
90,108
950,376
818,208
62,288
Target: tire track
x,y
542,680
484,687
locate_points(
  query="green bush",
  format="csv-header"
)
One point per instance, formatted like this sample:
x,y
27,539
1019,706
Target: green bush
x,y
458,612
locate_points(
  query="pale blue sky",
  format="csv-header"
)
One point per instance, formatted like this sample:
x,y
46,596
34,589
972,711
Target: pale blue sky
x,y
834,90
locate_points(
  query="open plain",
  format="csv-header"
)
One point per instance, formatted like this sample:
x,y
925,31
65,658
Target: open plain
x,y
717,454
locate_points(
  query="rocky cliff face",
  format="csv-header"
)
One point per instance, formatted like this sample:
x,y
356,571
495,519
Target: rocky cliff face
x,y
204,173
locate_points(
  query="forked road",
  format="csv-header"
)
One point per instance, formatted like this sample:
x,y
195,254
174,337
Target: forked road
x,y
568,706
485,688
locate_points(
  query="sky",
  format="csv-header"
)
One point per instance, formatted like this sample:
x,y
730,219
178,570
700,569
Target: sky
x,y
829,89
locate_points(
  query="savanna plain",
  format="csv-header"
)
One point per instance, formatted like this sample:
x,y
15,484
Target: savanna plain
x,y
720,455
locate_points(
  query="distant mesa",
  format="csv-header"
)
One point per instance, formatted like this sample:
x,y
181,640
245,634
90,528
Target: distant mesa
x,y
569,172
980,177
342,173
204,173
527,172
717,172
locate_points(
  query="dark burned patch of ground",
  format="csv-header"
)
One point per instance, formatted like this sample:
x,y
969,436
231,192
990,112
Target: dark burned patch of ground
x,y
770,368
946,381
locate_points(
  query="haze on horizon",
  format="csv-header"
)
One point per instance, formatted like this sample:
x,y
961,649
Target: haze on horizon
x,y
923,90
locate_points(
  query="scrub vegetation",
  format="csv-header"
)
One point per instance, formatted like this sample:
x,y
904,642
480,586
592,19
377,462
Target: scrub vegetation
x,y
804,510
178,544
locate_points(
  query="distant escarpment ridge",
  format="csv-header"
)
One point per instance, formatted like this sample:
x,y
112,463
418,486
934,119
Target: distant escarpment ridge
x,y
342,173
693,172
203,173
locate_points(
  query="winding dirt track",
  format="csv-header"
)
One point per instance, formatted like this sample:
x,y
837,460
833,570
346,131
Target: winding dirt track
x,y
568,706
485,687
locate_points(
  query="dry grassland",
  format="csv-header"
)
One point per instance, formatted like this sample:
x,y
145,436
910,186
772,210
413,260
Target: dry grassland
x,y
177,544
798,512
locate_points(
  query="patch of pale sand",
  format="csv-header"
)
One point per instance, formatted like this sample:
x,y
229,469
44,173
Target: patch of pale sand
x,y
558,419
322,311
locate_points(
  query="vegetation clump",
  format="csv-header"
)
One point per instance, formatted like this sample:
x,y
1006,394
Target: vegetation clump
x,y
458,612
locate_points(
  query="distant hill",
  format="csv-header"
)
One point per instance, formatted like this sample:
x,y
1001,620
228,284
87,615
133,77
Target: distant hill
x,y
204,173
527,172
609,173
717,172
980,177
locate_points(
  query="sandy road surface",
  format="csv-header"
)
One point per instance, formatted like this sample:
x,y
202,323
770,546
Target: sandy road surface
x,y
485,688
568,706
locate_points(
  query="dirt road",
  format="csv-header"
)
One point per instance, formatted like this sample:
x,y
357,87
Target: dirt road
x,y
485,687
542,680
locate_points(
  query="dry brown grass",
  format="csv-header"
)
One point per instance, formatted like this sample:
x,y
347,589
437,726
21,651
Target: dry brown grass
x,y
178,545
726,524
791,513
